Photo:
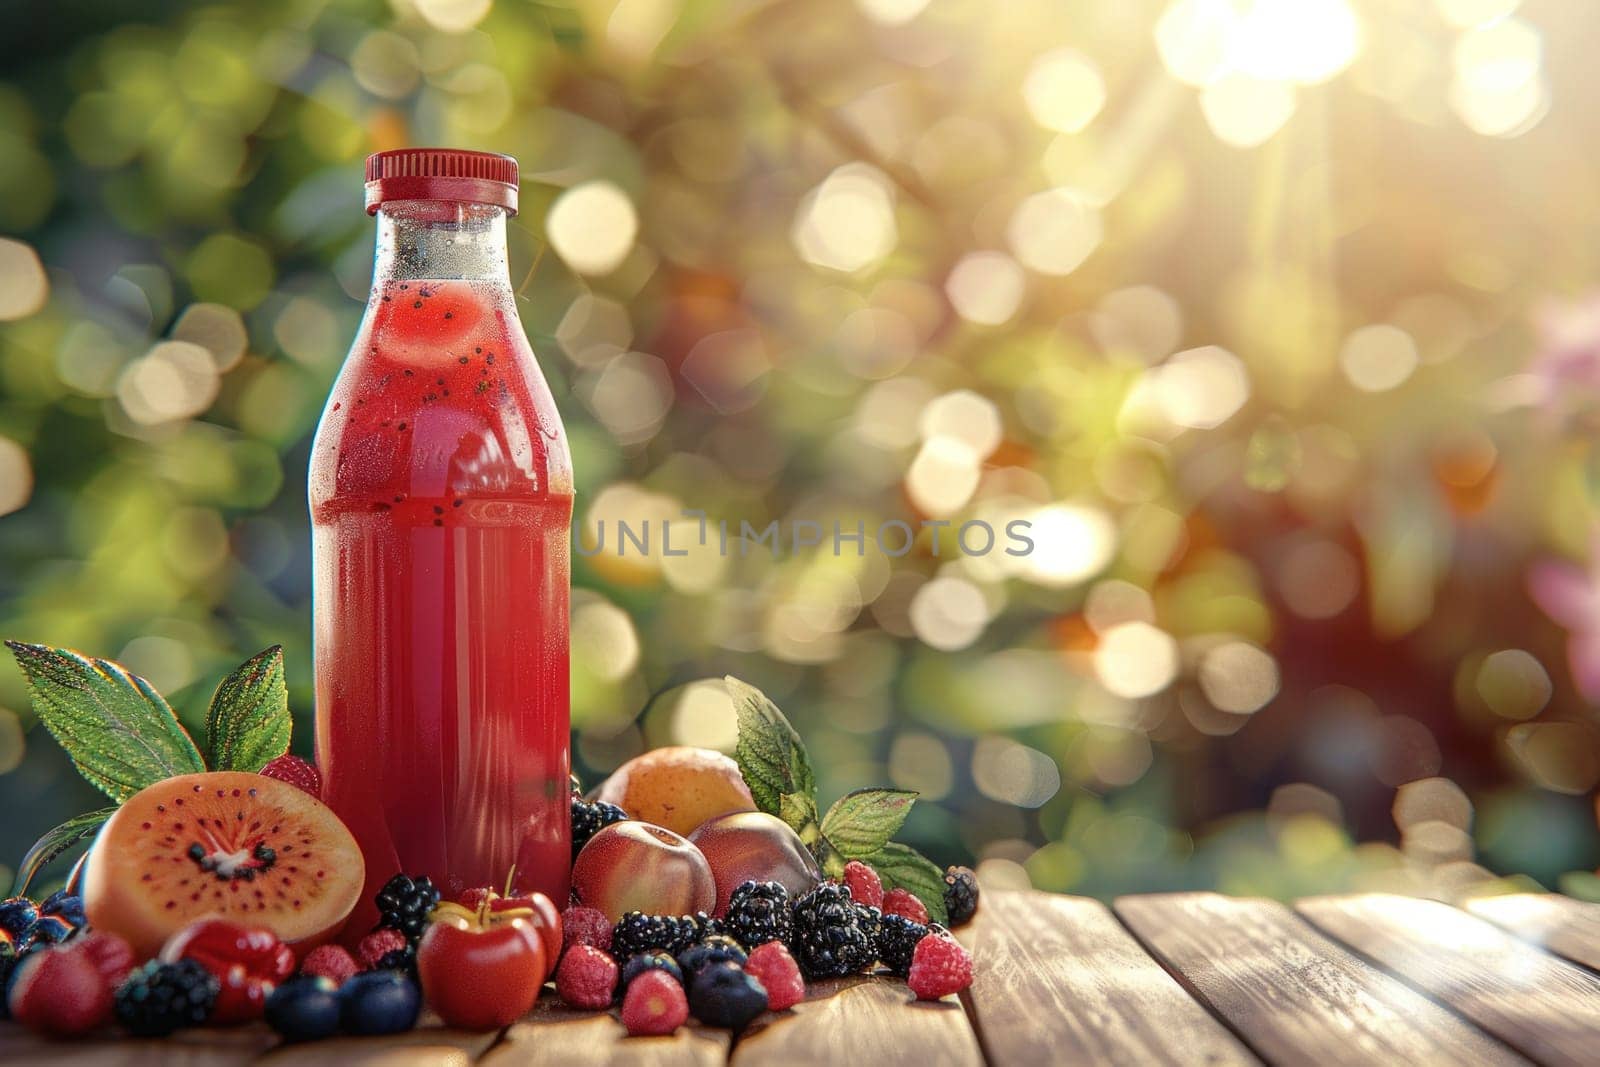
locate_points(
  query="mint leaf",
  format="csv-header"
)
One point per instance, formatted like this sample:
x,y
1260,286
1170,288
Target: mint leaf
x,y
903,867
119,732
55,844
862,822
770,754
248,723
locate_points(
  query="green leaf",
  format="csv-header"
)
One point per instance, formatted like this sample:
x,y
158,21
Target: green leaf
x,y
903,867
248,723
800,812
771,755
55,844
119,732
862,822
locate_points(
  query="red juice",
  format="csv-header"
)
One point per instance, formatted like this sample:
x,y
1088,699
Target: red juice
x,y
441,499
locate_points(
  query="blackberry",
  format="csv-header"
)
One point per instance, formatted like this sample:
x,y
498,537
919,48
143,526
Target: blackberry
x,y
637,933
897,939
404,903
403,960
158,998
717,948
758,912
832,934
588,819
960,894
705,926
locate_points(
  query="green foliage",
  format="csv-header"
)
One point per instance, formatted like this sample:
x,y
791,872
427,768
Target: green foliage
x,y
770,753
858,826
248,724
119,732
55,844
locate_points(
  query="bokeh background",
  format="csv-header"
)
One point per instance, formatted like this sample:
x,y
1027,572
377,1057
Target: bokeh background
x,y
1279,319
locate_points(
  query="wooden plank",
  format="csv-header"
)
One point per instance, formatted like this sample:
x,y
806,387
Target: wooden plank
x,y
1058,980
1294,995
1567,927
555,1034
415,1048
187,1048
874,1021
1544,1006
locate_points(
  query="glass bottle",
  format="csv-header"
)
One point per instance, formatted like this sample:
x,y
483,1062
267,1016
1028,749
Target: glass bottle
x,y
441,502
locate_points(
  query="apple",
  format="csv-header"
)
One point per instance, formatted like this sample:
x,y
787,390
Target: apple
x,y
634,866
483,969
752,846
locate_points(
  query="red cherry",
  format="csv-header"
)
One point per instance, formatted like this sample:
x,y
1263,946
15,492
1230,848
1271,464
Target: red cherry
x,y
248,961
546,920
479,971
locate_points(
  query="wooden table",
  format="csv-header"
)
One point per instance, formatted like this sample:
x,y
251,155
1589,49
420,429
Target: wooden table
x,y
1191,978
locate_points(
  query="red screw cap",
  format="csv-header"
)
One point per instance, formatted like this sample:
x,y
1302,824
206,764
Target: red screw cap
x,y
441,174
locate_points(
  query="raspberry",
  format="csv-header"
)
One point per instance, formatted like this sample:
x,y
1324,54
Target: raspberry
x,y
297,772
586,978
939,967
112,956
904,902
379,944
865,886
585,926
960,894
772,966
654,1004
333,962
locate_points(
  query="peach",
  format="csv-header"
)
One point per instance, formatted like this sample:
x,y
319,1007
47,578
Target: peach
x,y
677,787
752,846
634,866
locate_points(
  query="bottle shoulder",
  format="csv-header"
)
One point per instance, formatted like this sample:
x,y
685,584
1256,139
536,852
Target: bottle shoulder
x,y
439,414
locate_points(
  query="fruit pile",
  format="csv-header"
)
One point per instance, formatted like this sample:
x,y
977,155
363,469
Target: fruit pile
x,y
756,957
700,887
687,902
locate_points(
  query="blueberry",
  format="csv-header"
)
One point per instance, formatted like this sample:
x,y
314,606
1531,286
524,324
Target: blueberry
x,y
648,961
724,995
714,949
16,915
304,1008
46,930
379,1002
68,906
8,967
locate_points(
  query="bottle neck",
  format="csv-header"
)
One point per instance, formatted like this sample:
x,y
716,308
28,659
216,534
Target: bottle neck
x,y
432,240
